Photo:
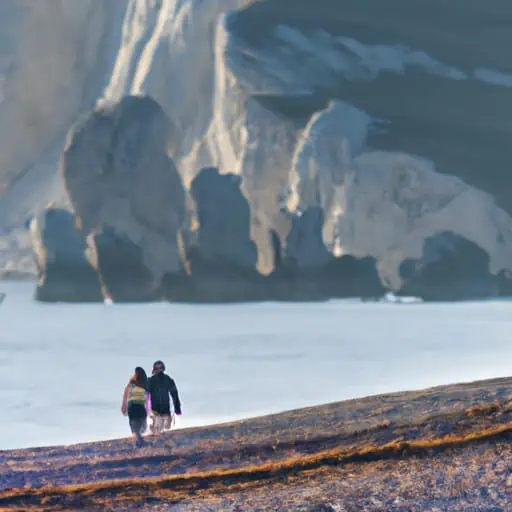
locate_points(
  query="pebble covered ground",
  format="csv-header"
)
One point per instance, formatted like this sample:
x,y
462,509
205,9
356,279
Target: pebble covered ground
x,y
327,458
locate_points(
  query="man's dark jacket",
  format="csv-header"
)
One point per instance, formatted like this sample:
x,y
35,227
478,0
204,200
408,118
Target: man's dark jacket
x,y
160,386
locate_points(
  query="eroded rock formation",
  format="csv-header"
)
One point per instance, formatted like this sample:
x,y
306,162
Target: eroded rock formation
x,y
224,219
119,264
450,268
117,174
309,270
64,274
222,261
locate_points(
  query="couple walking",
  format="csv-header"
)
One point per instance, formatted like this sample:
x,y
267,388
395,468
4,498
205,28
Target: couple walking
x,y
143,396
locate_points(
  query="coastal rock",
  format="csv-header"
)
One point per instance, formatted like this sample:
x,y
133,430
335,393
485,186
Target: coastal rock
x,y
451,268
120,266
117,174
64,274
222,261
224,219
504,279
305,249
351,277
308,270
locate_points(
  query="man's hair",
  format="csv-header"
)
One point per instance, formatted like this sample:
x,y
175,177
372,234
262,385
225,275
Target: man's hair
x,y
159,363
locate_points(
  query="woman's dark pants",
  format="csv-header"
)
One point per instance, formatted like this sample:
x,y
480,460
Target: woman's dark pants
x,y
137,417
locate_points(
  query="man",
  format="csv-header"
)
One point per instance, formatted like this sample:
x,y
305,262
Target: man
x,y
160,386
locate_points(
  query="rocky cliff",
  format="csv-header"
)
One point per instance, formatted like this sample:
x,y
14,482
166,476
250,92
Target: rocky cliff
x,y
393,118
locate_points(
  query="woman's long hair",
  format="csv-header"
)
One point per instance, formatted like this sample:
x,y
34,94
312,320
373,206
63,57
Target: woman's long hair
x,y
140,378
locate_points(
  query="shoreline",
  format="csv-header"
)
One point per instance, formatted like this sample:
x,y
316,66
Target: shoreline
x,y
239,460
389,297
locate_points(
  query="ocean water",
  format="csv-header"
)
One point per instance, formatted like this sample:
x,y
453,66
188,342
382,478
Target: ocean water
x,y
63,367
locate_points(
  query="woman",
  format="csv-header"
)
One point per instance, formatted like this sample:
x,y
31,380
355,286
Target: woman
x,y
136,404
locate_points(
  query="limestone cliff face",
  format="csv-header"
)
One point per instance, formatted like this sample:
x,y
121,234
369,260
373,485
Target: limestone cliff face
x,y
398,130
395,124
401,131
55,58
